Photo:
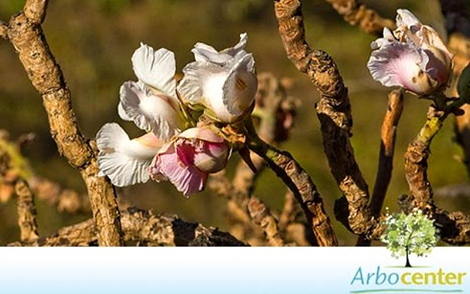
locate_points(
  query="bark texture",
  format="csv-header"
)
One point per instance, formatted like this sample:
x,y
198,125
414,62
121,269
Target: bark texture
x,y
357,14
142,228
300,183
334,113
26,35
26,212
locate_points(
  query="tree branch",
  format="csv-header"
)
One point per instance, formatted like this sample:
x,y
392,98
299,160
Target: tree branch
x,y
35,10
26,36
251,206
26,212
387,148
454,226
3,30
334,113
300,183
357,14
142,228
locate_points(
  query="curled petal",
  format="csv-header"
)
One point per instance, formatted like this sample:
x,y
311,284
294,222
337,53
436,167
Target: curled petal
x,y
240,87
206,53
387,39
150,112
168,166
156,69
125,162
196,75
400,64
406,18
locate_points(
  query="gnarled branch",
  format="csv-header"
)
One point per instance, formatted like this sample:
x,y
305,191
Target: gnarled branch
x,y
357,14
26,36
334,113
142,228
26,212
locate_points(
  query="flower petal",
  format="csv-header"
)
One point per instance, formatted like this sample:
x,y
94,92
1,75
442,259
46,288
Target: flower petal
x,y
387,39
126,162
401,64
406,18
167,166
203,52
196,75
156,113
240,87
156,68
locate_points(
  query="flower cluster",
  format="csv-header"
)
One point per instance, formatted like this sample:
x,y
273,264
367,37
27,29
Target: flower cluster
x,y
413,57
176,146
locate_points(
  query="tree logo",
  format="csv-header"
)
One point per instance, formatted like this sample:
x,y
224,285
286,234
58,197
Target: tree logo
x,y
407,234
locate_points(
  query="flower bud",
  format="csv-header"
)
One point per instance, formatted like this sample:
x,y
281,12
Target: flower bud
x,y
189,158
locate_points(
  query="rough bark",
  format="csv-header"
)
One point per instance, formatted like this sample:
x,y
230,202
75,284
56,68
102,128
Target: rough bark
x,y
357,14
26,35
334,112
454,227
300,183
142,228
26,212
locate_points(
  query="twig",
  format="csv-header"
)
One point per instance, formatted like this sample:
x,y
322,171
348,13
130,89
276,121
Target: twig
x,y
26,36
357,14
26,212
261,215
3,30
142,228
334,113
35,10
300,183
387,148
252,207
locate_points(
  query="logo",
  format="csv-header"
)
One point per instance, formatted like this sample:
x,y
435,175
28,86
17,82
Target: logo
x,y
407,235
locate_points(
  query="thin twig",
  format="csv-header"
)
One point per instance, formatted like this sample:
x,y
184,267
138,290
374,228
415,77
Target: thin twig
x,y
142,228
3,30
357,14
254,208
300,183
387,148
26,212
334,113
26,36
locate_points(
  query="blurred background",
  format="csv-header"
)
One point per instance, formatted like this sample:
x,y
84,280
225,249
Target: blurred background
x,y
93,41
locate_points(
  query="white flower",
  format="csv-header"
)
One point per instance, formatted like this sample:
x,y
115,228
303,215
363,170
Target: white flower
x,y
125,161
224,82
151,103
413,56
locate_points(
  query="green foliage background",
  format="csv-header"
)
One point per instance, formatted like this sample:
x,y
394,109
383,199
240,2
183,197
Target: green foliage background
x,y
93,41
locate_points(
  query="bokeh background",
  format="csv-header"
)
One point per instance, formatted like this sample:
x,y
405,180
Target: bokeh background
x,y
93,41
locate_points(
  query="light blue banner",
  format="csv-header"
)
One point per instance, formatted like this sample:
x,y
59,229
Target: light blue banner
x,y
230,270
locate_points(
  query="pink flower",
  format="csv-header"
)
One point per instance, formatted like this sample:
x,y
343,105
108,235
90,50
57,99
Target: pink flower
x,y
188,159
413,56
